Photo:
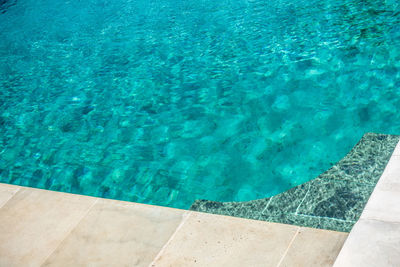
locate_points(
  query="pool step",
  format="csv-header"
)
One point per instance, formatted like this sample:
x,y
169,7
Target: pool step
x,y
334,200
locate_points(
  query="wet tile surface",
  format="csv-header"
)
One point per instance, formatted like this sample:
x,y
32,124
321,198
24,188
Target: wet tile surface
x,y
334,200
112,234
339,199
34,222
310,221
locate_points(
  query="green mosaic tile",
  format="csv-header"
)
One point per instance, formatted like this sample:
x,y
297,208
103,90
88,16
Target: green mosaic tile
x,y
287,202
366,161
310,221
339,199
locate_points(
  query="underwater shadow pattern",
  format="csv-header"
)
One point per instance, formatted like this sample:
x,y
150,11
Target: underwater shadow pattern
x,y
6,4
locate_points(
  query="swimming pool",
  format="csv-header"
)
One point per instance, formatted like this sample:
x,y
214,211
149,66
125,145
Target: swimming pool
x,y
168,101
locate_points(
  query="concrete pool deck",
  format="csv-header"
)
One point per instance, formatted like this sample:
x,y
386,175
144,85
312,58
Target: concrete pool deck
x,y
47,228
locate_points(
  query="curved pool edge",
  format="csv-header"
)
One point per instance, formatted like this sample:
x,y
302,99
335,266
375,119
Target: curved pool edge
x,y
334,200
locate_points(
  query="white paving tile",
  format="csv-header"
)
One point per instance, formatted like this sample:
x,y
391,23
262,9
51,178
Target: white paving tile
x,y
396,151
383,205
390,179
371,243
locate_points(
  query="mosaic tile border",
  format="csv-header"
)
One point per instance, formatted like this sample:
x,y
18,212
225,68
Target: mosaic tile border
x,y
334,200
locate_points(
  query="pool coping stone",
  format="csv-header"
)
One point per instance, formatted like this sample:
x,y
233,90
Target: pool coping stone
x,y
48,228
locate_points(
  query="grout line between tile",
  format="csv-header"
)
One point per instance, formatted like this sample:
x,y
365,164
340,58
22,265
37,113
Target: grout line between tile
x,y
13,194
73,227
323,217
266,206
184,219
305,196
287,249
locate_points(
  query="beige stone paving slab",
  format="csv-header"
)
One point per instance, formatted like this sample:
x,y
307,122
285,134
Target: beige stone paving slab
x,y
6,193
213,240
118,233
314,247
371,243
34,222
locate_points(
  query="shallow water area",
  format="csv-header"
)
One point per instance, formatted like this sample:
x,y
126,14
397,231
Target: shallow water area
x,y
164,102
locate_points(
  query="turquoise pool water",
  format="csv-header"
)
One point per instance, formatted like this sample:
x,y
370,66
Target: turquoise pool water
x,y
169,101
